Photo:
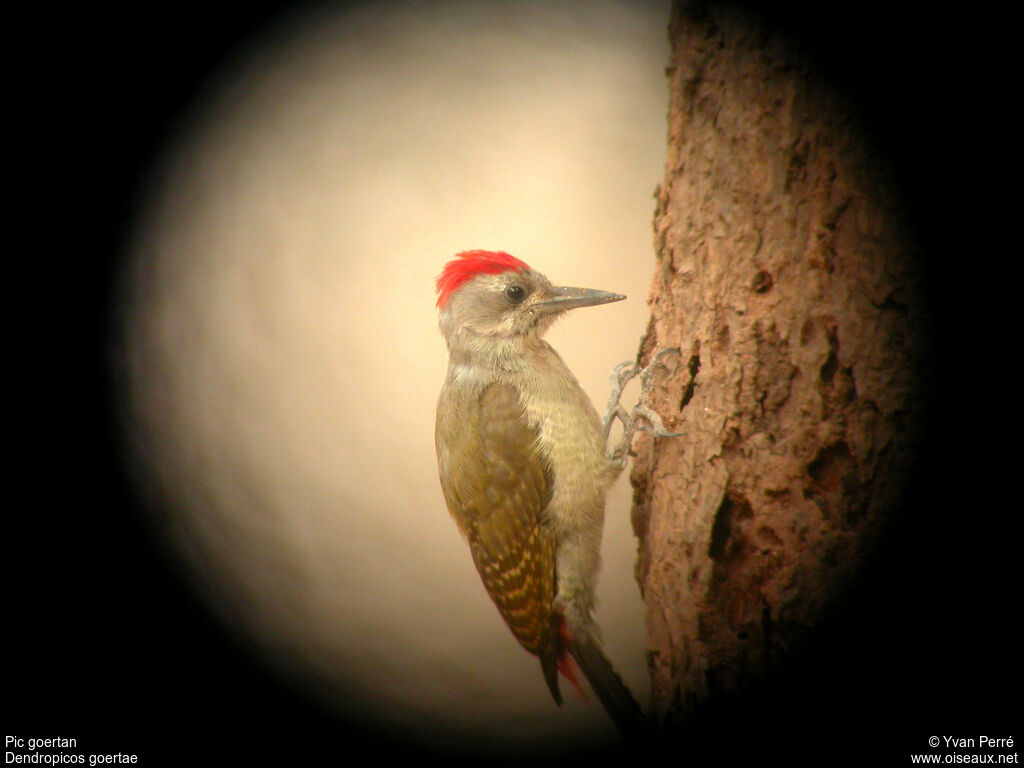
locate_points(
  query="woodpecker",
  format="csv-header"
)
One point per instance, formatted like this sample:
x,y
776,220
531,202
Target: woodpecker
x,y
523,465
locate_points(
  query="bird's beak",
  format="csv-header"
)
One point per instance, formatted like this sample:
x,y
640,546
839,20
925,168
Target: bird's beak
x,y
562,299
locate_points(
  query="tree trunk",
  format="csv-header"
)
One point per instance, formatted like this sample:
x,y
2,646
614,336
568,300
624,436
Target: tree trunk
x,y
788,280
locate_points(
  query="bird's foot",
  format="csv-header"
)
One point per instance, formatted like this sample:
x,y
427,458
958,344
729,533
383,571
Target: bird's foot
x,y
642,417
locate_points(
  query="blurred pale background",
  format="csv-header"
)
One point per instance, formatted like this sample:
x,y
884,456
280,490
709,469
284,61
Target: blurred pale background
x,y
283,358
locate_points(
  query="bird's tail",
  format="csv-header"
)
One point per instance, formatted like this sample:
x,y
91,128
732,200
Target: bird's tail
x,y
617,699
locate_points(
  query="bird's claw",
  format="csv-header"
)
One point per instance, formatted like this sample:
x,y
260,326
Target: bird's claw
x,y
622,374
642,417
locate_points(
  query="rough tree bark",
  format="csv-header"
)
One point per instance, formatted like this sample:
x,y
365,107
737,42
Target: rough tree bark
x,y
786,276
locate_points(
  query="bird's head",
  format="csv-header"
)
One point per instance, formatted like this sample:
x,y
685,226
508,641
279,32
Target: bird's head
x,y
492,295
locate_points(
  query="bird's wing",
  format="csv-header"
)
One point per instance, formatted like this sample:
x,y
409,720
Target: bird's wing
x,y
497,485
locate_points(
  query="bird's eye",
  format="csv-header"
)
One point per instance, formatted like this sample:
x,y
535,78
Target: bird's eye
x,y
515,293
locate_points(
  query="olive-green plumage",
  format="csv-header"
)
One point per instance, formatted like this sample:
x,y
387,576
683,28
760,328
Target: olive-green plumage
x,y
523,465
497,486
